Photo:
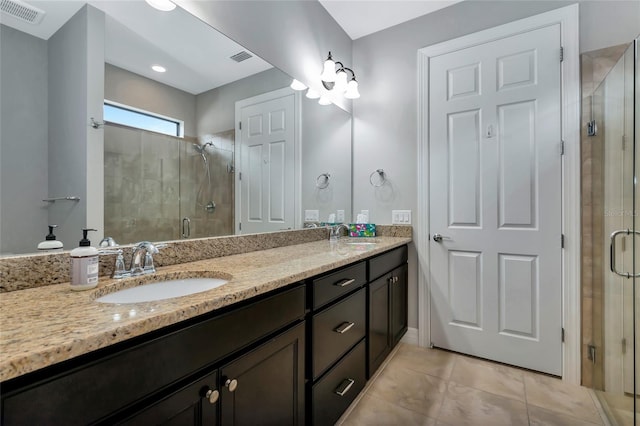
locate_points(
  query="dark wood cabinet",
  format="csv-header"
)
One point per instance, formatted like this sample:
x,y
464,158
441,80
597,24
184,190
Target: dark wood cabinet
x,y
387,295
266,386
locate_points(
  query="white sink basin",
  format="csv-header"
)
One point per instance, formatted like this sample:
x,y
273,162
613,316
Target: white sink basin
x,y
162,290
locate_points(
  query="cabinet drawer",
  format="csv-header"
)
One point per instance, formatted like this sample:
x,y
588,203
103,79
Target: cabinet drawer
x,y
332,286
332,395
385,262
95,389
337,329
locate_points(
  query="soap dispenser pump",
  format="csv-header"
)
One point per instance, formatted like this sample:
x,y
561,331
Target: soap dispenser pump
x,y
50,243
84,264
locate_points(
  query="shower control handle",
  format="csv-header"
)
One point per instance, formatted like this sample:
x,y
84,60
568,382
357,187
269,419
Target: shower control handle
x,y
186,227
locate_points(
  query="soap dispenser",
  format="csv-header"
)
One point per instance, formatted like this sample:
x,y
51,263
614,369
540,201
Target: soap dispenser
x,y
84,264
50,243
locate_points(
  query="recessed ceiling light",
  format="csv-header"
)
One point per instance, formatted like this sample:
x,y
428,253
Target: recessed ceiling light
x,y
163,5
158,68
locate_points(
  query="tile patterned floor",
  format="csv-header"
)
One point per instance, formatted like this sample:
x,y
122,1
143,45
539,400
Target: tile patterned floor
x,y
433,387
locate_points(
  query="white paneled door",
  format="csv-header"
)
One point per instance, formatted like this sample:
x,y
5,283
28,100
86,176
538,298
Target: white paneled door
x,y
266,164
495,200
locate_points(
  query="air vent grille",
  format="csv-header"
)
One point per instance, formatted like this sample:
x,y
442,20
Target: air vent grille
x,y
22,11
240,56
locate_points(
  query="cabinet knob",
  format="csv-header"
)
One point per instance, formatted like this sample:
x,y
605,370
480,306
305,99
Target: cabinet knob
x,y
231,384
212,395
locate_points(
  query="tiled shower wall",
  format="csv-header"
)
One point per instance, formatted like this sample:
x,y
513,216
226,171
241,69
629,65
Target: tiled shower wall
x,y
152,181
594,67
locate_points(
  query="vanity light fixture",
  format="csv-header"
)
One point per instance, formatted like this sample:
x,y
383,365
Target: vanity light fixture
x,y
297,85
324,100
158,68
337,80
163,5
312,94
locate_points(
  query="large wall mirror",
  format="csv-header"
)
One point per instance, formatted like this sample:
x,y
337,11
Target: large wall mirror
x,y
217,144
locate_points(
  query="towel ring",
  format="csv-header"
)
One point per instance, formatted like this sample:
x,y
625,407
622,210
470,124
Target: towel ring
x,y
322,181
382,178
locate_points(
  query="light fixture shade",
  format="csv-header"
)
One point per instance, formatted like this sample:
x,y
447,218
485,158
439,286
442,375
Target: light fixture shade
x,y
312,94
341,82
329,71
324,100
158,68
352,90
296,85
163,5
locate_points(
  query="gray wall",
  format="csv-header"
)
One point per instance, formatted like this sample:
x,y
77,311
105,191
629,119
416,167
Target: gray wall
x,y
23,141
294,36
385,126
135,90
76,91
215,109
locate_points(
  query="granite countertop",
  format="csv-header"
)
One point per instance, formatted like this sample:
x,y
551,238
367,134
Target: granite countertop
x,y
46,325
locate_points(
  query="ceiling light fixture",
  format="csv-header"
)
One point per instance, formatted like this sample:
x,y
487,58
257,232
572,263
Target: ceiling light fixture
x,y
296,85
158,68
337,80
163,5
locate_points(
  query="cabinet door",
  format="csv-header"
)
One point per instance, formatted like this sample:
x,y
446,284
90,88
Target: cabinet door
x,y
379,332
399,302
195,404
266,385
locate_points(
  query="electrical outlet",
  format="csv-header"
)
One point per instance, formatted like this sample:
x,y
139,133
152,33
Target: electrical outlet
x,y
312,215
401,217
340,216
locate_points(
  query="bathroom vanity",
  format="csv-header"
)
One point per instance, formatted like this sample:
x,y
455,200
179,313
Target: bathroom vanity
x,y
291,339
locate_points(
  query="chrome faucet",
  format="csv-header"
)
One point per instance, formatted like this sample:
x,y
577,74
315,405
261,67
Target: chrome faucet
x,y
140,265
334,232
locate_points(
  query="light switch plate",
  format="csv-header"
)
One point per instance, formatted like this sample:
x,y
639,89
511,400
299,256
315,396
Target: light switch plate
x,y
312,215
401,217
340,216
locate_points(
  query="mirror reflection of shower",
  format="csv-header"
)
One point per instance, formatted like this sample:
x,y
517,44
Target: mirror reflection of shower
x,y
202,197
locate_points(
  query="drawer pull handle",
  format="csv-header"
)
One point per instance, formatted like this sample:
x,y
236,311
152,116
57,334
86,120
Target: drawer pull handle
x,y
344,387
345,282
344,327
212,395
231,384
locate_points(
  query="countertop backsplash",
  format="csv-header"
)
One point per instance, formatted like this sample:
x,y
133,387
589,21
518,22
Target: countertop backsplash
x,y
37,270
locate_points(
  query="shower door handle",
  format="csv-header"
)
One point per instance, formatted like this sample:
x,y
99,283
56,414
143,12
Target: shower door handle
x,y
186,227
612,252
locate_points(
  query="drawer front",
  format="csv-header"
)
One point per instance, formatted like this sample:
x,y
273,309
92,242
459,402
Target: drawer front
x,y
332,286
337,329
332,395
97,389
384,263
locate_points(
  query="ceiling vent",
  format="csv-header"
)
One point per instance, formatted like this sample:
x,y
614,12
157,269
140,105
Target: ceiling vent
x,y
240,56
22,11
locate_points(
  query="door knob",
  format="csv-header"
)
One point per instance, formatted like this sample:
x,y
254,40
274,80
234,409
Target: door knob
x,y
439,237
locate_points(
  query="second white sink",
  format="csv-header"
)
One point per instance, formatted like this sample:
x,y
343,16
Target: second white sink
x,y
162,290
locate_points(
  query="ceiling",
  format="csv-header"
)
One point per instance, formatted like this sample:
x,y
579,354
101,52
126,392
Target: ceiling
x,y
196,56
363,17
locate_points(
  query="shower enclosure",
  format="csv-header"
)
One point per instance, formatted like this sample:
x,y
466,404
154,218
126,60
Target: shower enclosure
x,y
159,187
611,239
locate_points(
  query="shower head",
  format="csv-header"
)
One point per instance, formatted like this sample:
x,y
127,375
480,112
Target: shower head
x,y
202,149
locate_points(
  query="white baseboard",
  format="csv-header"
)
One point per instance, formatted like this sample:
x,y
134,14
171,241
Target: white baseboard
x,y
411,337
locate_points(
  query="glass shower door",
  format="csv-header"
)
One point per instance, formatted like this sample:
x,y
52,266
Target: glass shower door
x,y
615,109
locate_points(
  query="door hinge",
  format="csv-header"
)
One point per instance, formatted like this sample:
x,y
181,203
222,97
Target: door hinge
x,y
624,142
561,240
240,125
561,147
562,334
592,128
561,53
240,176
591,353
240,226
624,345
